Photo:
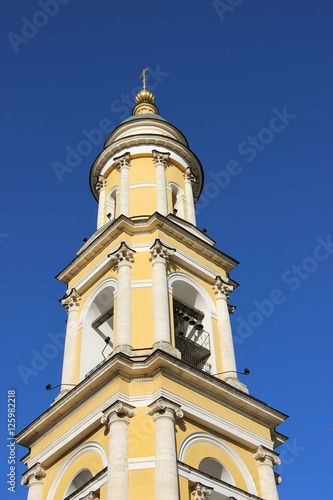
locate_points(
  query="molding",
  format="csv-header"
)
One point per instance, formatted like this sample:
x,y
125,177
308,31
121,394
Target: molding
x,y
218,423
205,437
217,485
89,446
141,463
107,283
143,184
142,283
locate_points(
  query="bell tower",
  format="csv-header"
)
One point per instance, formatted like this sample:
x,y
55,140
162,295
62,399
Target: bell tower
x,y
150,405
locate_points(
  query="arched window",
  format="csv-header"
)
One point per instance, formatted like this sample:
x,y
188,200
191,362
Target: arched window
x,y
97,328
111,204
177,200
78,480
192,322
215,469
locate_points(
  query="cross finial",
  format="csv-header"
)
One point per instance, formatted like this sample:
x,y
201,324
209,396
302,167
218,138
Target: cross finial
x,y
143,76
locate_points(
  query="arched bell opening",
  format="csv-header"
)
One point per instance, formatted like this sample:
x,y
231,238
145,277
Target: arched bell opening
x,y
192,324
97,330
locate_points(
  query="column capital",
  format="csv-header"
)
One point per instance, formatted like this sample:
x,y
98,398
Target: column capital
x,y
123,161
160,158
264,456
159,252
101,183
201,492
119,411
123,254
222,289
164,407
231,309
91,496
36,474
188,175
71,300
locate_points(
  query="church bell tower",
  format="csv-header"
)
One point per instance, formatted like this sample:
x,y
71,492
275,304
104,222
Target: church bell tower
x,y
150,405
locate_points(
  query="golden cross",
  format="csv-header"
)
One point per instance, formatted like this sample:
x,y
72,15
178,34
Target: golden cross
x,y
144,78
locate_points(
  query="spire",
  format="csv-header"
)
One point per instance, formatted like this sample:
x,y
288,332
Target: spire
x,y
144,99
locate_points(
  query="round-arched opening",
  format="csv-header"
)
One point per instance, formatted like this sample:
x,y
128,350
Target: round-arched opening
x,y
177,200
216,469
78,480
97,331
192,324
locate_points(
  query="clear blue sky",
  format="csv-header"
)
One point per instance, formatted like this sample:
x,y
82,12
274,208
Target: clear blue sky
x,y
221,78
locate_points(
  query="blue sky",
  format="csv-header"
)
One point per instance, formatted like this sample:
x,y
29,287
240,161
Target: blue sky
x,y
250,86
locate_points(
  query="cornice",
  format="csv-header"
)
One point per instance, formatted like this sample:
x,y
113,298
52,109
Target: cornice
x,y
148,140
133,369
101,239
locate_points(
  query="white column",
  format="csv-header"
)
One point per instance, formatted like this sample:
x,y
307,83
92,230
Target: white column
x,y
117,417
161,314
266,459
123,163
34,479
71,303
189,180
123,257
100,187
222,291
160,160
164,413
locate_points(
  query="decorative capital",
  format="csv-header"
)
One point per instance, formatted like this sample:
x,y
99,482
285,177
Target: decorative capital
x,y
188,175
118,411
36,473
201,492
122,161
123,254
222,289
160,158
91,496
264,456
71,301
164,407
159,252
101,183
231,309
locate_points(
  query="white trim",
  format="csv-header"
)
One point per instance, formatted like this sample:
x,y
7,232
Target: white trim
x,y
219,423
199,437
141,463
146,149
144,184
179,276
210,482
104,261
108,282
89,446
142,283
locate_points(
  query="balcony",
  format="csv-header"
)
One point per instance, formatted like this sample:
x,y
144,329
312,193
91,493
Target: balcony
x,y
191,339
